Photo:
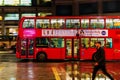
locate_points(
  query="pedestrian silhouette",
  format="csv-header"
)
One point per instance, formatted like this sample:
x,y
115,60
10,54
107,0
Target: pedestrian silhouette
x,y
99,59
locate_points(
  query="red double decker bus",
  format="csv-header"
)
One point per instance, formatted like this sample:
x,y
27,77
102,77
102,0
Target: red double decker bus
x,y
63,37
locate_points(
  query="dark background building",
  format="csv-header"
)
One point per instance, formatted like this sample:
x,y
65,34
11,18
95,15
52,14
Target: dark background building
x,y
11,12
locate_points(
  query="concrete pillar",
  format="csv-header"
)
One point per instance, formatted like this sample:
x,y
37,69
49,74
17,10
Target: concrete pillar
x,y
100,9
3,23
75,7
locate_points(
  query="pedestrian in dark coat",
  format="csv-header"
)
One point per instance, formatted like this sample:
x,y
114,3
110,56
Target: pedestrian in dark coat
x,y
99,59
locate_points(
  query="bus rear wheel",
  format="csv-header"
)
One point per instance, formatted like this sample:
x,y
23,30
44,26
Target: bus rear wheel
x,y
41,56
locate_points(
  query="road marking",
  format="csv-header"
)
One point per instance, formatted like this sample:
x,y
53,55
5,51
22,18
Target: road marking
x,y
57,77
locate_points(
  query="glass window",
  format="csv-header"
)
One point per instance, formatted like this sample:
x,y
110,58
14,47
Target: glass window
x,y
12,16
116,23
84,23
84,42
1,2
11,2
56,42
102,41
72,23
25,2
23,47
28,14
28,23
31,47
1,18
92,42
57,23
76,47
109,23
42,42
45,3
109,42
42,23
44,14
97,23
88,8
64,10
15,2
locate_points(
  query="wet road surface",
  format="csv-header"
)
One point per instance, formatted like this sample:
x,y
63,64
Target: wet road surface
x,y
64,70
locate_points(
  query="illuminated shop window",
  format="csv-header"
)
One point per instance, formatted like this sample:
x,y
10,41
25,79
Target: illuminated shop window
x,y
28,15
1,2
72,23
1,18
13,31
42,23
11,2
26,2
15,2
57,23
44,14
46,0
12,16
84,23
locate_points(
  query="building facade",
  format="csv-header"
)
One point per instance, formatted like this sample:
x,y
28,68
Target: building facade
x,y
11,11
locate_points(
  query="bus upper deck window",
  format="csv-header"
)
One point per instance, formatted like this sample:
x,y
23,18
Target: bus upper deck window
x,y
109,23
97,23
72,23
28,23
116,23
57,23
84,23
42,23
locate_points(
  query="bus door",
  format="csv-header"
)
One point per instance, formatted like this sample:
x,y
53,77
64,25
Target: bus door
x,y
72,49
27,48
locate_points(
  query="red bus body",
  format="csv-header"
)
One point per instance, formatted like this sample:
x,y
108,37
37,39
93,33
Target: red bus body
x,y
70,42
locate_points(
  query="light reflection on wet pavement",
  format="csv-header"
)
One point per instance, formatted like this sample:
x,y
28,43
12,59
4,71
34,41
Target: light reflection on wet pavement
x,y
70,70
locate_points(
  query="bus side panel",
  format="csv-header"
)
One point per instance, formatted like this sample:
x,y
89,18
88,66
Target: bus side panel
x,y
109,54
117,50
63,53
86,53
17,54
53,53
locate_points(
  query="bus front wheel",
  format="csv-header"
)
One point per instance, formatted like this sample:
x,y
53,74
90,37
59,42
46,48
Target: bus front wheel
x,y
41,56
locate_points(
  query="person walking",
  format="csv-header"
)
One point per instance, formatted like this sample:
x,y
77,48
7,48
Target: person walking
x,y
99,59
